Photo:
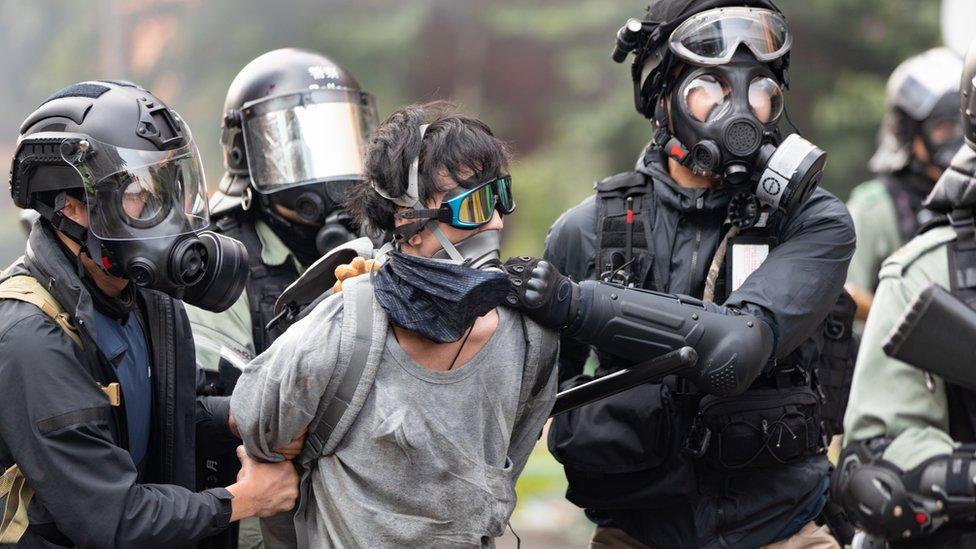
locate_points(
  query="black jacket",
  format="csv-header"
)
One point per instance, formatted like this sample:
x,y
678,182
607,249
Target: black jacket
x,y
57,425
792,291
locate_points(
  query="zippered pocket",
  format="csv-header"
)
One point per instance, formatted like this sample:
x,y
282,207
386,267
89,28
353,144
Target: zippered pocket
x,y
760,428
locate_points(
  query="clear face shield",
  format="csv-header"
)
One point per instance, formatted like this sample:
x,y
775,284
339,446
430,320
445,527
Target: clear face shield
x,y
133,194
313,136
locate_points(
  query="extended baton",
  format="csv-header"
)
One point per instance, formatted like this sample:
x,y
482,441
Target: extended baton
x,y
651,370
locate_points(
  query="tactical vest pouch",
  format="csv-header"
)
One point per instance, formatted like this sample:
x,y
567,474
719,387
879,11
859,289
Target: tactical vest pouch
x,y
834,369
759,428
624,252
623,451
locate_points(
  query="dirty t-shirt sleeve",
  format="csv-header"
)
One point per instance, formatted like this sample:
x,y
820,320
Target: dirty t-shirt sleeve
x,y
279,391
535,412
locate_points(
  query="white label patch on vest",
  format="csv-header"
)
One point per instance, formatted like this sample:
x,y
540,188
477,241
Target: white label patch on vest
x,y
746,258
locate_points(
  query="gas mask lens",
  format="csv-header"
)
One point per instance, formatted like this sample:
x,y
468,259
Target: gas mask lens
x,y
706,98
136,194
765,99
139,203
712,37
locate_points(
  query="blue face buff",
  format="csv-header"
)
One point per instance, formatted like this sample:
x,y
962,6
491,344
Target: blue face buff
x,y
438,299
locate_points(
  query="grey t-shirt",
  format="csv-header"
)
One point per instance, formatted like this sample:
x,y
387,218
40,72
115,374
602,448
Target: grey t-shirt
x,y
431,459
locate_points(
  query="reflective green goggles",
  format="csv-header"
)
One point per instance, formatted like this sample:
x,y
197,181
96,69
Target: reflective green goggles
x,y
471,208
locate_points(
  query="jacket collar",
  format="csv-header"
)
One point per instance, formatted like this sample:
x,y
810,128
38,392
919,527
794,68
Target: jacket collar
x,y
48,264
653,164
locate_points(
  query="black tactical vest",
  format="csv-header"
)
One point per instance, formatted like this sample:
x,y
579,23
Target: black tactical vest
x,y
625,255
962,282
266,282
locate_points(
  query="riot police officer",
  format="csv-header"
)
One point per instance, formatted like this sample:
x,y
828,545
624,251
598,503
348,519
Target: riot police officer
x,y
907,470
293,132
99,423
920,133
722,219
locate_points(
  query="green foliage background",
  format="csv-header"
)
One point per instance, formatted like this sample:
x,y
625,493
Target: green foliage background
x,y
538,71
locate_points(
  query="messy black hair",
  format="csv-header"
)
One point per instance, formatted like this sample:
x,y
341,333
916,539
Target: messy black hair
x,y
454,142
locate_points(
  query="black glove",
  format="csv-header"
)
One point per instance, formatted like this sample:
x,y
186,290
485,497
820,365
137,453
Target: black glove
x,y
541,292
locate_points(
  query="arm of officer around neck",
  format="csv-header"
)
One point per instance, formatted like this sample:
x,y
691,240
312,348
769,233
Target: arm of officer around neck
x,y
55,423
278,393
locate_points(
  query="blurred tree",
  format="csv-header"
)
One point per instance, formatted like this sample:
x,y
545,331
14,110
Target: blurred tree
x,y
539,72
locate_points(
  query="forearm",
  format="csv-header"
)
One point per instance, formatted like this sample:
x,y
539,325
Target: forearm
x,y
168,516
637,325
898,503
214,436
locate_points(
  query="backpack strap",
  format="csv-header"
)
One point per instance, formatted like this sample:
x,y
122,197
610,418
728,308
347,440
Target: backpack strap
x,y
354,378
14,487
361,343
28,289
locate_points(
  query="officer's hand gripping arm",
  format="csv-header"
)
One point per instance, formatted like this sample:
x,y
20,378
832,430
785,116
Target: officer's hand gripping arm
x,y
637,324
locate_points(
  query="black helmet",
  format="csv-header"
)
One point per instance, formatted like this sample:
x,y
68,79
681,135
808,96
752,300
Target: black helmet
x,y
111,126
134,164
967,93
654,60
293,133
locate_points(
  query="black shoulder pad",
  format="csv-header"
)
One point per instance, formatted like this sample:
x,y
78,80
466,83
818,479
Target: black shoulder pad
x,y
620,181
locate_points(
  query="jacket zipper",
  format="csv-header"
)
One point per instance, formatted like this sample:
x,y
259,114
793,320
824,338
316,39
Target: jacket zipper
x,y
699,203
167,361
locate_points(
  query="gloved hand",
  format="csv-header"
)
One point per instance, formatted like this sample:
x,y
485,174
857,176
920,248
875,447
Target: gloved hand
x,y
541,292
356,267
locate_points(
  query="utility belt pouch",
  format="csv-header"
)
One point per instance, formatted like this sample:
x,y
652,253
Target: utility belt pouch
x,y
760,428
623,452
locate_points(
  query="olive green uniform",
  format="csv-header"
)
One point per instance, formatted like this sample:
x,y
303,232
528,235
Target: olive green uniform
x,y
889,398
232,328
876,225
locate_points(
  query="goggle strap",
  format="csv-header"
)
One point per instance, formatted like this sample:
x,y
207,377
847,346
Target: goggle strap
x,y
412,195
404,232
419,214
446,244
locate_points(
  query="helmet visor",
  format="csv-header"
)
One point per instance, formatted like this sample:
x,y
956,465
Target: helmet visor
x,y
134,194
308,137
711,38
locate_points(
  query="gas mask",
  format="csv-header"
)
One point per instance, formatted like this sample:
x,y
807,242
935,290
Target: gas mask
x,y
147,211
725,123
942,134
303,151
324,224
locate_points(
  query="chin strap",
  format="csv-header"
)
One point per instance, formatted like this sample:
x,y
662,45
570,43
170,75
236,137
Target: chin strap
x,y
446,244
71,229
